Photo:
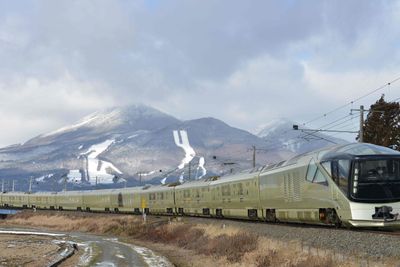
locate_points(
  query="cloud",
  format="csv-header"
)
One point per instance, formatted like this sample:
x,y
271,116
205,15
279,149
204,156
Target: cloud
x,y
244,63
30,105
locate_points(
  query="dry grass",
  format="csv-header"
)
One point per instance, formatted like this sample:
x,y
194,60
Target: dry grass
x,y
220,246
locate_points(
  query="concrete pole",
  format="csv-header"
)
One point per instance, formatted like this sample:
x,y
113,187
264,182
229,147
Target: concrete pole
x,y
254,156
30,185
361,138
190,164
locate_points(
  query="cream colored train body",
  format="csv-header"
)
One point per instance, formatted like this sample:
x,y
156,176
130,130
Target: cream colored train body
x,y
354,185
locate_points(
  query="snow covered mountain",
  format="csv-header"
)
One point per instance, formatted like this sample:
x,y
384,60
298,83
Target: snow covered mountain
x,y
124,145
121,146
279,134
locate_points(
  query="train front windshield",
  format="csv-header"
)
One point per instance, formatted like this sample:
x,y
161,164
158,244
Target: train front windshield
x,y
376,180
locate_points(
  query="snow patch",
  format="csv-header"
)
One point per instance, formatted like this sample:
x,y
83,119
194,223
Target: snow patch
x,y
181,177
270,127
182,141
97,149
151,258
74,176
202,168
29,233
41,178
98,171
70,127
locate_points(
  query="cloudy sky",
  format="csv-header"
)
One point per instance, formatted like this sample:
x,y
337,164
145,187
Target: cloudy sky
x,y
245,62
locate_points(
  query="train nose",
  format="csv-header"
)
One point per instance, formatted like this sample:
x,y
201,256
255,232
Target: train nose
x,y
384,212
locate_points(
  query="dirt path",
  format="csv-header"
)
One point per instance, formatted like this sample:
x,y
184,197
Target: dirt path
x,y
17,250
203,242
27,247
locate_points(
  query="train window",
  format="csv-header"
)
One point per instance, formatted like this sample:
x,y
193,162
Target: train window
x,y
311,171
186,193
319,178
327,167
343,174
226,190
240,189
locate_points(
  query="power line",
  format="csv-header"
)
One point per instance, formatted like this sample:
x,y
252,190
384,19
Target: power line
x,y
353,101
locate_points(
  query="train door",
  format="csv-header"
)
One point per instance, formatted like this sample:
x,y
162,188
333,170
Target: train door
x,y
120,200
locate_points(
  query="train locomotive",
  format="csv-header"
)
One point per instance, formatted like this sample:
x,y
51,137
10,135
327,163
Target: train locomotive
x,y
353,185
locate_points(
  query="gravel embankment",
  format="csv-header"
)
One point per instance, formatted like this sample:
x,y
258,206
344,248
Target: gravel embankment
x,y
346,242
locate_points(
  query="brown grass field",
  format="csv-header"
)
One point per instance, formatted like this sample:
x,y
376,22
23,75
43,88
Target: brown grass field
x,y
190,244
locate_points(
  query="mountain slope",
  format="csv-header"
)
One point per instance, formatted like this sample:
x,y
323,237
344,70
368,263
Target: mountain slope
x,y
279,134
131,143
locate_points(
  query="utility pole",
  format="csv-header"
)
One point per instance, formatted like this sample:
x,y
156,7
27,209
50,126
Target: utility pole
x,y
65,183
361,138
362,110
140,177
189,169
361,131
254,156
13,185
30,185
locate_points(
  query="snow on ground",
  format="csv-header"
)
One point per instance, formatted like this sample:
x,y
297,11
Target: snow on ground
x,y
181,177
201,167
71,127
266,129
97,149
41,178
99,169
29,233
183,142
74,176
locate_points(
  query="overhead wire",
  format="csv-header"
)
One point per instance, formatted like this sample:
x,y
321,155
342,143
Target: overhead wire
x,y
353,101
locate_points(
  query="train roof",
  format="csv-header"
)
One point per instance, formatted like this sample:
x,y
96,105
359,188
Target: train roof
x,y
196,183
236,177
356,149
352,149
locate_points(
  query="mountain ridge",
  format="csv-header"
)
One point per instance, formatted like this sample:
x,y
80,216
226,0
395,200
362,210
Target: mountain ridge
x,y
136,139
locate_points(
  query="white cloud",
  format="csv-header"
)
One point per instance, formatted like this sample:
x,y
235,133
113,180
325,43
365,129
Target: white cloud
x,y
244,63
31,106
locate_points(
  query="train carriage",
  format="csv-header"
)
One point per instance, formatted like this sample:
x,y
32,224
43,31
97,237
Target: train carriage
x,y
297,190
193,198
157,199
42,200
13,199
96,200
72,200
366,180
357,185
236,196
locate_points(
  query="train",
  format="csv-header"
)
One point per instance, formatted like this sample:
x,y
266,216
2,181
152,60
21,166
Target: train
x,y
353,185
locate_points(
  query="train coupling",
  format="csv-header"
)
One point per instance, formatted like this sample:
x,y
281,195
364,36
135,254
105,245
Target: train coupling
x,y
384,213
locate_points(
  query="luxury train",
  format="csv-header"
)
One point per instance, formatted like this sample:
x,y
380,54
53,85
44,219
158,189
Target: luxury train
x,y
354,185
